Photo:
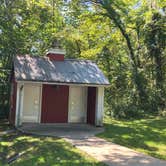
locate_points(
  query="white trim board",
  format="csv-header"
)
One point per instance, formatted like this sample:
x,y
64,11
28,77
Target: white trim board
x,y
19,104
68,84
22,105
99,106
40,98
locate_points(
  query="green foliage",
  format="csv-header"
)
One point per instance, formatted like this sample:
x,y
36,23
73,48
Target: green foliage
x,y
133,21
125,38
27,27
122,110
155,40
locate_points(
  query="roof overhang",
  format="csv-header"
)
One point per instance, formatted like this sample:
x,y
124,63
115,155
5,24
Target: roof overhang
x,y
62,83
67,72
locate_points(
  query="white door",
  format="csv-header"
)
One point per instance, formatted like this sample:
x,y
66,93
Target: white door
x,y
77,104
31,106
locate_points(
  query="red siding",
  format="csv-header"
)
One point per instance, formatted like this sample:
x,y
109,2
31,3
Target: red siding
x,y
91,105
13,97
57,57
54,104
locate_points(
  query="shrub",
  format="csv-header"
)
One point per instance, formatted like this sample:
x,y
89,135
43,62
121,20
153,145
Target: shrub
x,y
122,111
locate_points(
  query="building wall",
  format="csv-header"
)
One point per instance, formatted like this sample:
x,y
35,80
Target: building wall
x,y
91,105
31,107
54,104
13,97
77,104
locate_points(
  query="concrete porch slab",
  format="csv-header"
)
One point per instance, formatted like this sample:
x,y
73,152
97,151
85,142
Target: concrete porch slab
x,y
67,130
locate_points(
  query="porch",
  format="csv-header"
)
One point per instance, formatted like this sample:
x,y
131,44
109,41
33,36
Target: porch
x,y
65,130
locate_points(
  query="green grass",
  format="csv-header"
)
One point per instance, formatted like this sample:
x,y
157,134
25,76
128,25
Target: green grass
x,y
146,135
42,151
4,125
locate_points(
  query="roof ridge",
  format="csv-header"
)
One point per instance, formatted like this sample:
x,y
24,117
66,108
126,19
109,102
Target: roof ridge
x,y
44,57
84,60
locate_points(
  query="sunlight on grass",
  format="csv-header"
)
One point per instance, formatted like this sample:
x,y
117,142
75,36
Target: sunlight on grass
x,y
30,139
146,135
41,160
6,143
42,151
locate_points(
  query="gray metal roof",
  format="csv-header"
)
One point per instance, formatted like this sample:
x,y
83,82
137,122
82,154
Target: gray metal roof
x,y
41,69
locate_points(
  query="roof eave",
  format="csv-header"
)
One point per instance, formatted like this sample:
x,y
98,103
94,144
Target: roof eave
x,y
61,83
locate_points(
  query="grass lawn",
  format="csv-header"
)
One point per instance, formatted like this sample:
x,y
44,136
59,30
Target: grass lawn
x,y
41,151
146,135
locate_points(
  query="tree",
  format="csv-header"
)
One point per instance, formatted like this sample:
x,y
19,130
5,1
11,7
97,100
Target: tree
x,y
125,38
155,40
27,27
112,9
130,18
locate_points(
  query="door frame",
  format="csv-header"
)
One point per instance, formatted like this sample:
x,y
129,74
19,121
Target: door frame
x,y
84,105
40,102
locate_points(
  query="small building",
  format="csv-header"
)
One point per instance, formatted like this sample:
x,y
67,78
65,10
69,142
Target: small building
x,y
52,89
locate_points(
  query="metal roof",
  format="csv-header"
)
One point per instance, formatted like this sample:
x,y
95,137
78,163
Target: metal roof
x,y
41,69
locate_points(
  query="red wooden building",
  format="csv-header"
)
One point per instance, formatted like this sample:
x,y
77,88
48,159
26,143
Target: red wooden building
x,y
52,89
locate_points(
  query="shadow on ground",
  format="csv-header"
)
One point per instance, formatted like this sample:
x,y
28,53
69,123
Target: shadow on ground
x,y
41,151
147,136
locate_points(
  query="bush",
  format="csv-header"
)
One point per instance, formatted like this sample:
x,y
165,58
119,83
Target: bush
x,y
122,111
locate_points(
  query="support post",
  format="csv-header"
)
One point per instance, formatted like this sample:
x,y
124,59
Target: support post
x,y
99,106
19,104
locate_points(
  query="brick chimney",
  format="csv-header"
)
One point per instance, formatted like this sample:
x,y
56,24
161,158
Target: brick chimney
x,y
56,53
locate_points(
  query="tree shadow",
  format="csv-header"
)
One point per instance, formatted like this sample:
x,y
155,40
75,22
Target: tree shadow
x,y
159,124
137,134
43,151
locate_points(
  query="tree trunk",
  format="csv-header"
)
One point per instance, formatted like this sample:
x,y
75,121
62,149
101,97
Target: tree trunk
x,y
111,13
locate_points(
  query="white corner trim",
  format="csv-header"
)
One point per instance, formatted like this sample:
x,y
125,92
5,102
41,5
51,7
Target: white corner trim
x,y
40,98
86,102
19,104
99,106
69,105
